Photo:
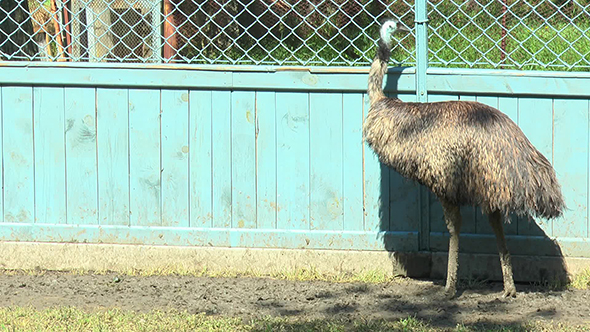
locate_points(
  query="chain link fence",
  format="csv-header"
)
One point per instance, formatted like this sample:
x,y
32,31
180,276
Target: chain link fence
x,y
530,34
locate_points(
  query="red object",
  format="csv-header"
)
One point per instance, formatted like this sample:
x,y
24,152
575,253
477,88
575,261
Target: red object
x,y
170,40
68,29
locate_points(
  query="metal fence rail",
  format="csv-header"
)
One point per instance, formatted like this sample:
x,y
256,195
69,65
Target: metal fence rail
x,y
530,34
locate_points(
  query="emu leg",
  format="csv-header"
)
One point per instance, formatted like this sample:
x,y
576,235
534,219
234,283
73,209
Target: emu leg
x,y
496,223
453,221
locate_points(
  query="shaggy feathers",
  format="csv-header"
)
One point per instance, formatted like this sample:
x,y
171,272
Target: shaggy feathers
x,y
466,152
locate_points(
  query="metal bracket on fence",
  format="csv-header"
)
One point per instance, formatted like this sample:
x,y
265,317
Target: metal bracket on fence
x,y
421,20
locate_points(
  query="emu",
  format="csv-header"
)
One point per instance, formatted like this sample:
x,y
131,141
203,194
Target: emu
x,y
466,153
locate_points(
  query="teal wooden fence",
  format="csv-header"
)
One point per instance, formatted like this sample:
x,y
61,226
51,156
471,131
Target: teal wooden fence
x,y
258,157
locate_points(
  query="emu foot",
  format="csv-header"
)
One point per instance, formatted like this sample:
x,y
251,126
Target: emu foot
x,y
509,291
450,293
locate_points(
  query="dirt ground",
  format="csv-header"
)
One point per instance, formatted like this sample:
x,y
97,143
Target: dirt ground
x,y
260,297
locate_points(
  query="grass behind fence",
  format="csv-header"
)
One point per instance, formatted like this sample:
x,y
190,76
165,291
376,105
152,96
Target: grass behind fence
x,y
527,47
539,36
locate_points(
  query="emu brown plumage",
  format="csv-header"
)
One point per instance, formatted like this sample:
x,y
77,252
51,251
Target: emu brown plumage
x,y
466,153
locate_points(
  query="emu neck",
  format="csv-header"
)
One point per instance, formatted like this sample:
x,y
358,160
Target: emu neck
x,y
377,72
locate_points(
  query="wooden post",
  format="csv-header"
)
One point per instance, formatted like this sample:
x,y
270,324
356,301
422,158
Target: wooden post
x,y
57,27
170,37
68,28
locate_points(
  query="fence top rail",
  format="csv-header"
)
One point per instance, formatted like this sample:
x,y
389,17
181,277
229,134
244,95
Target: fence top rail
x,y
310,69
201,67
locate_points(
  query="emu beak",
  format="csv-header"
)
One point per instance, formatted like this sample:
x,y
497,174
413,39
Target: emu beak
x,y
402,27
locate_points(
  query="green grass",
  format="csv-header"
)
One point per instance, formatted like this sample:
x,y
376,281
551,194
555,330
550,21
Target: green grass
x,y
581,280
530,47
461,34
74,319
543,48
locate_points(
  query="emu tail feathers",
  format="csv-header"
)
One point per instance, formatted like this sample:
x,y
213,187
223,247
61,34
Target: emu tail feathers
x,y
377,72
541,193
549,202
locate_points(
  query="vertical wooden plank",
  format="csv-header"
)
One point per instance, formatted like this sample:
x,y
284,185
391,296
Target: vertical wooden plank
x,y
535,118
404,196
19,185
571,165
470,214
175,151
1,160
292,160
50,159
81,163
113,156
243,148
144,157
509,106
352,155
221,149
201,181
407,97
326,182
437,222
482,224
376,186
266,159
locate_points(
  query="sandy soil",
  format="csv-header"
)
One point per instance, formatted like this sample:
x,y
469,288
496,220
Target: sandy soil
x,y
258,297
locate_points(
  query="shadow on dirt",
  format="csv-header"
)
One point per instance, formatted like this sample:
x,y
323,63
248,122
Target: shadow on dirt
x,y
408,208
364,326
308,301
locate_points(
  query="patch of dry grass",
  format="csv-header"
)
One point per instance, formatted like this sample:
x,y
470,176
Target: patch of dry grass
x,y
581,280
300,274
73,319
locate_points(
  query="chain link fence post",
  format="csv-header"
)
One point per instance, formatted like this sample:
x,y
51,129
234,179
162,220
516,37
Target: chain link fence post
x,y
421,25
421,21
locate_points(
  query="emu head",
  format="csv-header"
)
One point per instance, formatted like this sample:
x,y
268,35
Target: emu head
x,y
388,28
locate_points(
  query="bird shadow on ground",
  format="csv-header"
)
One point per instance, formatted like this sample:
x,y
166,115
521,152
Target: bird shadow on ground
x,y
408,209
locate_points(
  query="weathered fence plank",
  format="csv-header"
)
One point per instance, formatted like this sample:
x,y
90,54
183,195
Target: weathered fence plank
x,y
17,140
509,106
326,182
243,159
482,224
352,161
50,157
266,160
437,223
175,149
201,184
535,118
570,122
112,123
292,160
404,195
144,158
221,117
81,157
376,186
